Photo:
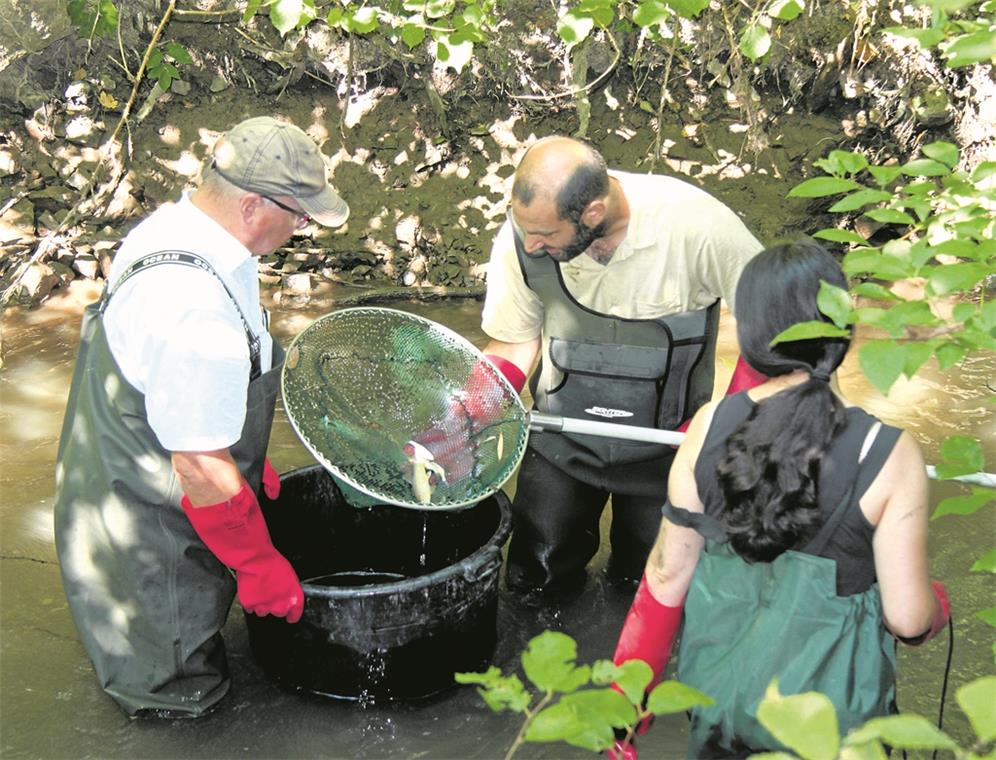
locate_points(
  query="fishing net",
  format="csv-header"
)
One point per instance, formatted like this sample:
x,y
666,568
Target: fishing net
x,y
402,410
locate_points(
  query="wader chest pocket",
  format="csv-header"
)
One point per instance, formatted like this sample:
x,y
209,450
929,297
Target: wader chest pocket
x,y
619,383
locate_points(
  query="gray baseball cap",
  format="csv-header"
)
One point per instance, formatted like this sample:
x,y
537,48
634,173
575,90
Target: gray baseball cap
x,y
273,157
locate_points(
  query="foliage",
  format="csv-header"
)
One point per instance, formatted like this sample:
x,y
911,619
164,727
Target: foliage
x,y
942,231
961,41
448,28
591,718
93,18
163,61
566,711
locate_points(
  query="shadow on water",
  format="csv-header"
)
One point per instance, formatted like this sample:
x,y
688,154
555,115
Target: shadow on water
x,y
52,707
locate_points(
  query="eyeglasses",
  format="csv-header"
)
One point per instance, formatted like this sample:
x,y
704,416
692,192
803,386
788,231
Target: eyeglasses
x,y
302,217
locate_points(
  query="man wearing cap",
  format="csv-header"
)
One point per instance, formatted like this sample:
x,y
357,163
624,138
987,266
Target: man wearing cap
x,y
163,445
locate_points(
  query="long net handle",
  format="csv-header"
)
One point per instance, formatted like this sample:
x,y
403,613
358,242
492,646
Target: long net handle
x,y
556,424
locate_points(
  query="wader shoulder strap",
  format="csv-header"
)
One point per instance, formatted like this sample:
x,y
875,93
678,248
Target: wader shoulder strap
x,y
876,449
186,258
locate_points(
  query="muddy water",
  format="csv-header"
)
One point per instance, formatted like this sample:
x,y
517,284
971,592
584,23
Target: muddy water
x,y
52,706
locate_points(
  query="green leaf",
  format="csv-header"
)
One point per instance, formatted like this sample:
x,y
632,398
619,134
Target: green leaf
x,y
178,53
889,216
860,199
986,564
412,35
500,692
983,171
786,10
633,677
688,8
978,47
884,174
926,38
584,719
875,291
549,662
987,616
673,697
164,80
951,6
819,187
861,260
805,723
808,331
917,352
945,152
920,188
840,236
905,731
962,455
574,28
924,167
651,13
865,751
755,43
452,53
285,14
834,303
897,318
949,354
251,7
361,20
965,504
882,361
437,8
849,161
978,701
603,672
949,278
868,315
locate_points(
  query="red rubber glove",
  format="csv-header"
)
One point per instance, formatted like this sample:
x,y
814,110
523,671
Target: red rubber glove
x,y
648,632
236,534
942,614
271,480
621,751
515,376
744,378
470,408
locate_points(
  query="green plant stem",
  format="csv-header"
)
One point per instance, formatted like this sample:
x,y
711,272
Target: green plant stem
x,y
660,108
520,737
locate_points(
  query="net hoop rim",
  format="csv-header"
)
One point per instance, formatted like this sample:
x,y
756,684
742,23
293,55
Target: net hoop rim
x,y
457,338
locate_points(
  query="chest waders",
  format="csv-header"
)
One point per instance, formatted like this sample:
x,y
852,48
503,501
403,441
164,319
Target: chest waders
x,y
147,597
644,372
747,623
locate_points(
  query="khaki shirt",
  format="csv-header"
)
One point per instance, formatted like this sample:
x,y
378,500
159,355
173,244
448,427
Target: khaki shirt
x,y
683,250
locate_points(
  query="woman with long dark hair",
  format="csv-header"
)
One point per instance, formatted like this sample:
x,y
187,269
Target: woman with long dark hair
x,y
795,533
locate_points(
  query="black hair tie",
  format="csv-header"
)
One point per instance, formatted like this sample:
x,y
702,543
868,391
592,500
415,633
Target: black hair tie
x,y
819,374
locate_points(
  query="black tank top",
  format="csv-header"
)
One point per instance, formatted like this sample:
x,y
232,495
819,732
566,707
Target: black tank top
x,y
850,546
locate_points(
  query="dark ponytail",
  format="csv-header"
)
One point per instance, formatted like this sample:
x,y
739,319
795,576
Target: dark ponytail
x,y
769,474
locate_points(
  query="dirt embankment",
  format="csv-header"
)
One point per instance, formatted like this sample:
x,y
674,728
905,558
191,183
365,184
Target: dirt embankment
x,y
423,156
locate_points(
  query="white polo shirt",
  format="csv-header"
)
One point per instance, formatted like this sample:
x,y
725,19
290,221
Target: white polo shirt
x,y
683,250
176,334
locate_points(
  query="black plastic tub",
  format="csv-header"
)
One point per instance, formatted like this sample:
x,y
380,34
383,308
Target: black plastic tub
x,y
396,600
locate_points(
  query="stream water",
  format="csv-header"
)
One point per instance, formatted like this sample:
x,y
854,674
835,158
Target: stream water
x,y
52,706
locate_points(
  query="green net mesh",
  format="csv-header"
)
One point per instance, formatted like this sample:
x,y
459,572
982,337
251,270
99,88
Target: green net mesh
x,y
402,410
